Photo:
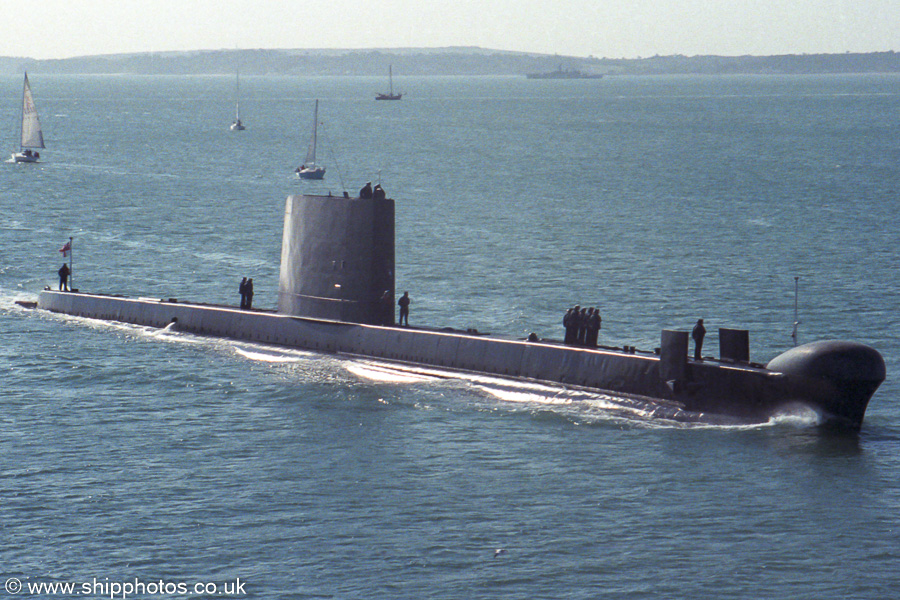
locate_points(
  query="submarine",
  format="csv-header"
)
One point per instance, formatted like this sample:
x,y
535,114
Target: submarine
x,y
336,295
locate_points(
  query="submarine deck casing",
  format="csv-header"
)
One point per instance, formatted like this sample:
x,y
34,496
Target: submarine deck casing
x,y
742,391
336,294
607,370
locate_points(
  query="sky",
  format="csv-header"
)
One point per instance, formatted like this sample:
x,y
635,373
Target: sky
x,y
600,28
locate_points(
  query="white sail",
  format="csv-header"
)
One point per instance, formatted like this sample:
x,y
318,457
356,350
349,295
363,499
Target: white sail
x,y
311,152
32,136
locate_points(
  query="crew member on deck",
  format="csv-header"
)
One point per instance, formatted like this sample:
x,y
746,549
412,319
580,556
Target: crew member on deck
x,y
582,327
366,192
64,278
698,334
243,290
387,301
593,327
404,308
570,325
248,292
378,192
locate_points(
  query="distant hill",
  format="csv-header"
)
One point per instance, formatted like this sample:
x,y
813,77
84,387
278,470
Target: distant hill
x,y
786,64
443,61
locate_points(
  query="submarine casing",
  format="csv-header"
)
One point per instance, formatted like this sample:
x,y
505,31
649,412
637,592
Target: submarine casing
x,y
676,385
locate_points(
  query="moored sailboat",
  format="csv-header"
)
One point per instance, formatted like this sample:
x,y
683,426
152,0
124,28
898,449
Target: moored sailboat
x,y
309,169
32,135
390,95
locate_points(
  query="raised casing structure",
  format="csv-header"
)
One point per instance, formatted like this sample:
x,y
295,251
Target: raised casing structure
x,y
337,259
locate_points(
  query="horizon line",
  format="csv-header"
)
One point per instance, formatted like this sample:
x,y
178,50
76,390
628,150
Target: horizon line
x,y
405,49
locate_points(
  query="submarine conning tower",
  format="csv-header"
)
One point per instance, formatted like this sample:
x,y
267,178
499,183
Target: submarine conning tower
x,y
337,259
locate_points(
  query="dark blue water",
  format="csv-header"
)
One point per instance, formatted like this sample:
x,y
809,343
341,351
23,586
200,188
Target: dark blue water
x,y
131,454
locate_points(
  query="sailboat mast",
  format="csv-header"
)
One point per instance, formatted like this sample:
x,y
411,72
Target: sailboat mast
x,y
71,265
22,120
315,129
391,78
311,151
237,95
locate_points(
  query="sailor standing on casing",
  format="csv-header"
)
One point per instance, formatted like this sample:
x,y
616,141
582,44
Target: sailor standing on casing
x,y
574,319
404,308
243,290
587,326
698,334
569,325
593,327
582,326
64,277
248,291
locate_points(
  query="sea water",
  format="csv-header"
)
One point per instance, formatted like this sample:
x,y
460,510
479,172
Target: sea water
x,y
132,456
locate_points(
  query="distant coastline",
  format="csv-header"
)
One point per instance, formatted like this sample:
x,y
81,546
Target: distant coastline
x,y
460,61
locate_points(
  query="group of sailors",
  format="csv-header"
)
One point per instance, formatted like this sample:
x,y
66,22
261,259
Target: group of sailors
x,y
368,192
582,326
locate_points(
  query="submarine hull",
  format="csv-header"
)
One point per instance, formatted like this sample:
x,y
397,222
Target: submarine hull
x,y
336,294
836,379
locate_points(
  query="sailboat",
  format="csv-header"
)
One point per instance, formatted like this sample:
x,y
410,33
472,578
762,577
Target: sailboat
x,y
237,125
32,136
309,169
390,95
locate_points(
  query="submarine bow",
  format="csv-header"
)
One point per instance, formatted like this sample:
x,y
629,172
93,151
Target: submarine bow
x,y
839,377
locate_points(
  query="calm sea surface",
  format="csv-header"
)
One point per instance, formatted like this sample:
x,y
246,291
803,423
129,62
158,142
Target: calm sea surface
x,y
142,456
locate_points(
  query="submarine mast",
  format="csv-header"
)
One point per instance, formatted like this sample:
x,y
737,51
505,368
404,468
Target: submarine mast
x,y
796,309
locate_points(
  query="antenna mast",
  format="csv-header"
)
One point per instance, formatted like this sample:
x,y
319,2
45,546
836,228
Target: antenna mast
x,y
796,313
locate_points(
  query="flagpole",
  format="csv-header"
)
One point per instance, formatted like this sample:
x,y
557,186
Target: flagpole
x,y
71,274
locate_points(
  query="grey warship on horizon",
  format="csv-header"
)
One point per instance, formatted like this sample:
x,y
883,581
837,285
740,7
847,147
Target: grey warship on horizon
x,y
336,294
561,73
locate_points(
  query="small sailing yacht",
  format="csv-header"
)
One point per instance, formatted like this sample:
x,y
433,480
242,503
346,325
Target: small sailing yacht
x,y
32,136
237,125
309,169
390,95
